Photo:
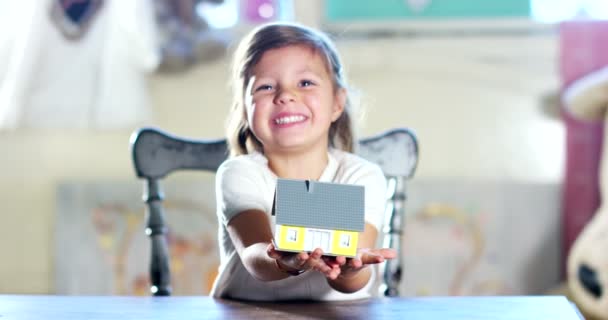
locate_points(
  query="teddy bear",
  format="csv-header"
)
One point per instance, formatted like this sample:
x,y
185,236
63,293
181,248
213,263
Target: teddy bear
x,y
587,265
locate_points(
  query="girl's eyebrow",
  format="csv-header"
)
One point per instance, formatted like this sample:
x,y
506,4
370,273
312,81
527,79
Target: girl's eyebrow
x,y
303,71
306,70
260,80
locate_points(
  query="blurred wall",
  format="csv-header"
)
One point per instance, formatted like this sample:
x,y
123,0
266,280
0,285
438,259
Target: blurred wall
x,y
473,101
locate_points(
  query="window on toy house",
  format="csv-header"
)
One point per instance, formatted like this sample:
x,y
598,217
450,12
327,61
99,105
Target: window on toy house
x,y
292,235
345,240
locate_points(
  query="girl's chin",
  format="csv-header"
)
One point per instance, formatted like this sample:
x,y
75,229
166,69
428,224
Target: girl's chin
x,y
291,145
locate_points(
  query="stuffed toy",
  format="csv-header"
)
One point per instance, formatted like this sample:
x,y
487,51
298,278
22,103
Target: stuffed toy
x,y
186,38
587,98
76,64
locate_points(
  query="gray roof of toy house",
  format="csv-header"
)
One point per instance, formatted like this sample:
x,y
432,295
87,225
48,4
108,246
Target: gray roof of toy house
x,y
320,205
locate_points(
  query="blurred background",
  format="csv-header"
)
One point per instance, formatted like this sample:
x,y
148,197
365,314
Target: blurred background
x,y
478,81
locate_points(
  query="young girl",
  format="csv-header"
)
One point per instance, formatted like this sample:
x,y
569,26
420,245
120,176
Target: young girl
x,y
290,119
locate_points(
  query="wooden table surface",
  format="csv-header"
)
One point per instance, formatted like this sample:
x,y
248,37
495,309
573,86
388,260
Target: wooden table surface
x,y
202,307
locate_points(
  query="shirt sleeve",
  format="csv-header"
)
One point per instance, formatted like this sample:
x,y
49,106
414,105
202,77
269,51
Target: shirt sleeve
x,y
238,187
375,196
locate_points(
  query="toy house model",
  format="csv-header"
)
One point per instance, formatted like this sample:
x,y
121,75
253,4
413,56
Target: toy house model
x,y
311,214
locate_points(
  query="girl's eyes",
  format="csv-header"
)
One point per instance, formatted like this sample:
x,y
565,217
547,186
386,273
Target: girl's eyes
x,y
264,87
267,87
306,83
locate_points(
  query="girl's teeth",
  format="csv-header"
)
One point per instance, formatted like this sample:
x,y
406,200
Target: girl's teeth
x,y
289,119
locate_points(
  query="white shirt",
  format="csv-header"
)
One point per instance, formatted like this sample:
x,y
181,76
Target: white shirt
x,y
245,183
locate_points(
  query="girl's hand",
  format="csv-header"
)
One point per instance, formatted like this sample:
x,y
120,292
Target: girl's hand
x,y
303,261
365,256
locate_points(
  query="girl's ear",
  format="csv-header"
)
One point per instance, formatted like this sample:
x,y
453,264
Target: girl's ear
x,y
339,103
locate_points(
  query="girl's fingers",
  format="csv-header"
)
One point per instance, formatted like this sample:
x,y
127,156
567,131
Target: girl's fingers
x,y
323,268
370,258
330,272
295,260
331,267
364,257
335,272
386,253
355,263
272,252
323,264
335,262
302,256
316,254
373,256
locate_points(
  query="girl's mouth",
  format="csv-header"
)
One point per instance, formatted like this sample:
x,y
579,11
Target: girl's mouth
x,y
289,119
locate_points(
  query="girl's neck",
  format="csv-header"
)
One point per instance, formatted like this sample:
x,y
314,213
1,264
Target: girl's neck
x,y
304,165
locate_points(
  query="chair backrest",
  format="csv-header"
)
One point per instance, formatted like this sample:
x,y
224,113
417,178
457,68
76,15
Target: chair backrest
x,y
157,153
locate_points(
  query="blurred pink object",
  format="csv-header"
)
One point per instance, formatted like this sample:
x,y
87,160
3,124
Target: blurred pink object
x,y
260,11
584,49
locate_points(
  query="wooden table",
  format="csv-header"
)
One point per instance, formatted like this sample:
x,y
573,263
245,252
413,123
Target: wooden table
x,y
200,307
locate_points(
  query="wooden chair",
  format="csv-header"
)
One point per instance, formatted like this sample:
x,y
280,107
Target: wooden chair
x,y
157,153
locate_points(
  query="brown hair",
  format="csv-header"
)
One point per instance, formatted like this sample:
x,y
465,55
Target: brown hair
x,y
241,139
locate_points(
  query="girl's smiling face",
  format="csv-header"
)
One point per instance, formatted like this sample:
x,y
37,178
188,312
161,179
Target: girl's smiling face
x,y
291,100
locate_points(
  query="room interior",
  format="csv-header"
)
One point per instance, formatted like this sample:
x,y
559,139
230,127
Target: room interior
x,y
485,213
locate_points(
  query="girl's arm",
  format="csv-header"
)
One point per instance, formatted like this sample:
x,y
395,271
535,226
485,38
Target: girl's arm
x,y
251,234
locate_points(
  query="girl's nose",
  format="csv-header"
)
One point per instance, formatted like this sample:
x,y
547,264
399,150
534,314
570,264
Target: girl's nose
x,y
285,96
